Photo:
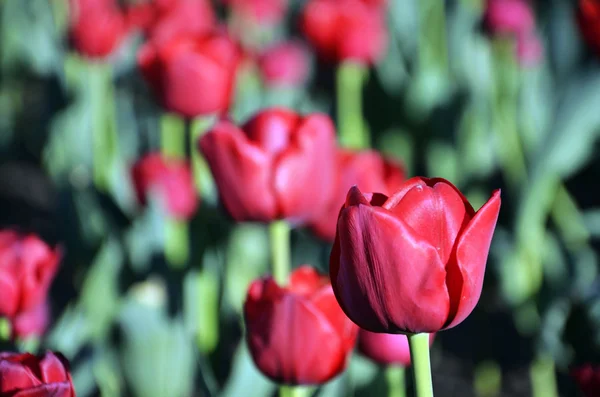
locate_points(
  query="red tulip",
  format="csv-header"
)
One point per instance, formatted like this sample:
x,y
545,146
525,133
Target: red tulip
x,y
386,349
192,75
268,12
26,375
33,322
285,64
412,262
279,165
588,16
97,27
346,29
298,335
172,179
368,170
588,379
513,17
27,267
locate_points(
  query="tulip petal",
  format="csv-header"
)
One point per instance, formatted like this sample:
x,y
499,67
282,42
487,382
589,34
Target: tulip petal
x,y
304,173
466,271
15,375
387,278
62,389
272,129
242,173
53,369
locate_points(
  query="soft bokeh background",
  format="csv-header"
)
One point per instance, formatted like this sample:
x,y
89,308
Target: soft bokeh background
x,y
473,114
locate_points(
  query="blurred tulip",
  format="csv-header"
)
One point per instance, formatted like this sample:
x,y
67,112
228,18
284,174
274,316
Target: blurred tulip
x,y
413,262
386,349
26,375
529,50
513,17
165,20
366,169
588,17
171,179
285,64
27,267
32,323
269,12
298,335
587,378
97,27
192,75
279,165
342,30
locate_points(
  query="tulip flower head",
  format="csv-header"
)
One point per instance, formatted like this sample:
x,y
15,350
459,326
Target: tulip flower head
x,y
29,375
279,165
366,169
414,261
588,18
31,323
298,335
510,17
285,64
27,268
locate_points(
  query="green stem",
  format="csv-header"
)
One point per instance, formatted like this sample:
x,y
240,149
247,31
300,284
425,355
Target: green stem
x,y
293,391
395,377
103,124
201,171
433,50
543,378
173,142
419,354
5,329
350,80
279,232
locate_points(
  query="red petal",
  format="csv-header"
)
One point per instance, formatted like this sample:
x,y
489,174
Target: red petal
x,y
53,369
14,375
272,129
62,389
465,275
388,279
242,173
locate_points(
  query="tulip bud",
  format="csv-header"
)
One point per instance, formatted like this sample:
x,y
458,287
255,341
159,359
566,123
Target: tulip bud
x,y
29,375
412,262
172,179
279,165
297,335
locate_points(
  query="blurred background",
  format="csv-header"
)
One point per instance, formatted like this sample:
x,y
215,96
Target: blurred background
x,y
456,93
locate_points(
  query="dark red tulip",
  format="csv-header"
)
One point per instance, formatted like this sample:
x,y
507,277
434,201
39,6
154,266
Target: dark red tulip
x,y
279,165
26,375
512,17
192,75
267,12
97,27
588,379
33,322
27,268
366,169
386,349
298,335
588,16
412,262
343,30
170,178
285,64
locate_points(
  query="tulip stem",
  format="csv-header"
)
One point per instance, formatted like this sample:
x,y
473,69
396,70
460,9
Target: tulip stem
x,y
292,391
419,354
279,232
395,376
201,171
353,130
5,329
173,144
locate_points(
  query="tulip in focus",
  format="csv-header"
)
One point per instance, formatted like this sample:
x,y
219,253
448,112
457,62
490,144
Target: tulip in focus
x,y
412,262
269,12
31,323
26,375
588,17
346,30
97,27
298,335
27,268
386,349
285,64
279,165
193,75
366,169
587,378
172,179
510,17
